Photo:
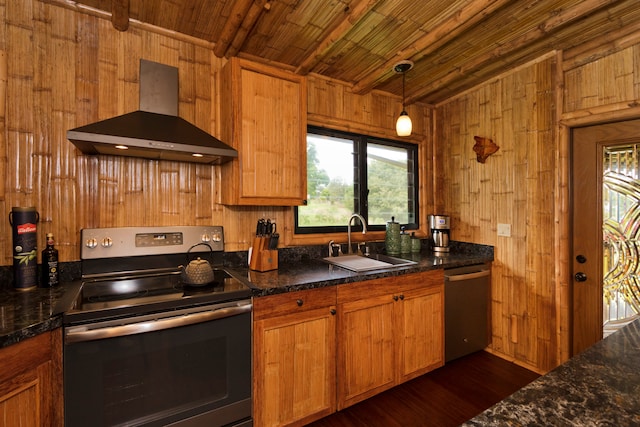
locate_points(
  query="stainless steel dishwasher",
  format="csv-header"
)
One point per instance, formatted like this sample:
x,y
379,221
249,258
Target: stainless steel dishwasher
x,y
467,294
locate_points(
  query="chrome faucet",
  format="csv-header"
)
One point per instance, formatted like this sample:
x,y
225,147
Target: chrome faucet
x,y
364,230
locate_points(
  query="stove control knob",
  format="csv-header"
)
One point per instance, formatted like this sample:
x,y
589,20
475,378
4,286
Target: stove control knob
x,y
216,237
107,242
205,238
91,243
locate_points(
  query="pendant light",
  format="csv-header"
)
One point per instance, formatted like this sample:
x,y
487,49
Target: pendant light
x,y
403,124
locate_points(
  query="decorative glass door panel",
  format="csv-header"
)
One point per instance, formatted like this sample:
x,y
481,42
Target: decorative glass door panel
x,y
621,235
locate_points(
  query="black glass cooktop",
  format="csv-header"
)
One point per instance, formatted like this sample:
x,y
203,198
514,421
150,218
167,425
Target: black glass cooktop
x,y
144,293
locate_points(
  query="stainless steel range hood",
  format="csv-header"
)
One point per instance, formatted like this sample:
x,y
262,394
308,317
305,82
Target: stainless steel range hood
x,y
155,131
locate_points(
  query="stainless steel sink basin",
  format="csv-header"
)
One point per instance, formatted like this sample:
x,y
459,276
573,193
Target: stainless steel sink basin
x,y
360,263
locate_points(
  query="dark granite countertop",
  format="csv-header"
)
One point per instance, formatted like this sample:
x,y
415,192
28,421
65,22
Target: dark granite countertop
x,y
598,387
24,314
301,274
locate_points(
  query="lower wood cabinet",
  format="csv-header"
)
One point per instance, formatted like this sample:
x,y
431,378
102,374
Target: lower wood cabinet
x,y
294,357
31,382
389,331
321,350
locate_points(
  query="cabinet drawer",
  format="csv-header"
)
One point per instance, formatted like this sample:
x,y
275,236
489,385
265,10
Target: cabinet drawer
x,y
293,302
389,285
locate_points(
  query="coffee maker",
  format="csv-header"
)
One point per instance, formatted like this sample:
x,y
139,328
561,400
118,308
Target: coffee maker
x,y
439,226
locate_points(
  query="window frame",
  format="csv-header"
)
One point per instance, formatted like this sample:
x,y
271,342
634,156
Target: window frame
x,y
360,181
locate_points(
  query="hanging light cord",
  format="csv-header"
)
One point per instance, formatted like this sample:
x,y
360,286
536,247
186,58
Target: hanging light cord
x,y
403,73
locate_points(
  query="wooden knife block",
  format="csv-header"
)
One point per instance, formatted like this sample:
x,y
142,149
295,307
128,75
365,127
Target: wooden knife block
x,y
262,258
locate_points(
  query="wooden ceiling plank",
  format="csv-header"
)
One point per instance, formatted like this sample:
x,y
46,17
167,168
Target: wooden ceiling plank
x,y
469,15
247,24
231,25
609,42
356,12
120,14
555,22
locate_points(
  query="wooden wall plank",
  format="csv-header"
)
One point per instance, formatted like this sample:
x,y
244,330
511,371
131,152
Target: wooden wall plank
x,y
66,69
514,186
528,183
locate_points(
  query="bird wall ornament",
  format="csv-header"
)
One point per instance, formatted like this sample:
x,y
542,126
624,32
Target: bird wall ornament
x,y
483,148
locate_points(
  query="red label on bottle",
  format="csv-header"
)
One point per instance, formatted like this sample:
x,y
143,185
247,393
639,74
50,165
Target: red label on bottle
x,y
26,228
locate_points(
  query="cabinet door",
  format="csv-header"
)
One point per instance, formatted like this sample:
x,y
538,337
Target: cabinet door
x,y
366,359
421,344
294,361
31,382
268,117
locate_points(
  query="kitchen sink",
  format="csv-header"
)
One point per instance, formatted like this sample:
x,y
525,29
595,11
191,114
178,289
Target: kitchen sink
x,y
360,263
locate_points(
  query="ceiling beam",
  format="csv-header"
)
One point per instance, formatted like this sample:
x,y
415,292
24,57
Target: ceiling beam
x,y
471,14
234,20
120,14
247,24
356,11
556,21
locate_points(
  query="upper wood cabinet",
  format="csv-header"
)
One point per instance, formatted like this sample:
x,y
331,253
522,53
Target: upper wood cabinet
x,y
389,331
294,357
264,117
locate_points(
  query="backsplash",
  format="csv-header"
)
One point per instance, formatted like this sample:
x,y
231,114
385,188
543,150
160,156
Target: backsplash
x,y
70,271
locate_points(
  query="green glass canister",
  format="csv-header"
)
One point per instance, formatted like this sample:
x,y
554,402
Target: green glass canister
x,y
392,237
416,244
405,242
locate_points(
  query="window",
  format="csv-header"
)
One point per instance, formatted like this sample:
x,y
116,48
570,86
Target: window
x,y
347,173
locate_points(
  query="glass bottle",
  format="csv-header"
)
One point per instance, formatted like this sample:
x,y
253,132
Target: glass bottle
x,y
50,274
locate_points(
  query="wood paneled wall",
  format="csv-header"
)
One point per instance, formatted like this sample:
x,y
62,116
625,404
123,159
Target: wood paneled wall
x,y
65,69
62,67
528,112
515,186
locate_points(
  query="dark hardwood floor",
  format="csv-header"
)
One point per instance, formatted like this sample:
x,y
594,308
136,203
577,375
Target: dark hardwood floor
x,y
448,396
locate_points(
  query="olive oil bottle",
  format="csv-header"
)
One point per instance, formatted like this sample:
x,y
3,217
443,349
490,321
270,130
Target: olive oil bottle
x,y
50,274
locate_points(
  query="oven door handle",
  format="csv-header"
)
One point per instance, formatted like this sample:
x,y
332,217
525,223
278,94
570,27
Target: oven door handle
x,y
76,334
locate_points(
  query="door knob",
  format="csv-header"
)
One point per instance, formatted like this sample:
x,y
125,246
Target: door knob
x,y
581,259
580,277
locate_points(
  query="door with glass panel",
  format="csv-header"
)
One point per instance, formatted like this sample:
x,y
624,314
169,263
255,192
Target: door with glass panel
x,y
606,229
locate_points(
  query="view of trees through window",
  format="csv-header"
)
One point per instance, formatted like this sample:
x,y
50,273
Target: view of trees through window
x,y
330,178
339,183
388,180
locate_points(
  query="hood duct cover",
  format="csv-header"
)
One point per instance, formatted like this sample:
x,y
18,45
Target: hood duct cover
x,y
155,131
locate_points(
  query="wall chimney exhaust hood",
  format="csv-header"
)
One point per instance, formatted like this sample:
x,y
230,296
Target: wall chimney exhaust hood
x,y
155,131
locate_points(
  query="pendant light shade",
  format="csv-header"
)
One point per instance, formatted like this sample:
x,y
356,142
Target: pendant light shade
x,y
403,124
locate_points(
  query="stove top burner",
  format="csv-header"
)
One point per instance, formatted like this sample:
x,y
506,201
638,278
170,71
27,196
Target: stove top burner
x,y
131,271
137,293
100,290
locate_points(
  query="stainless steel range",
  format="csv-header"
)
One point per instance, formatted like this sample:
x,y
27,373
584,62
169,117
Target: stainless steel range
x,y
144,345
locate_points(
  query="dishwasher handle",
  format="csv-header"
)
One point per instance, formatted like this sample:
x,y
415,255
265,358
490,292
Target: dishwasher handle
x,y
467,276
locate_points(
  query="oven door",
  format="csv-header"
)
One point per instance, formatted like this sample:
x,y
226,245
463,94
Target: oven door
x,y
185,367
